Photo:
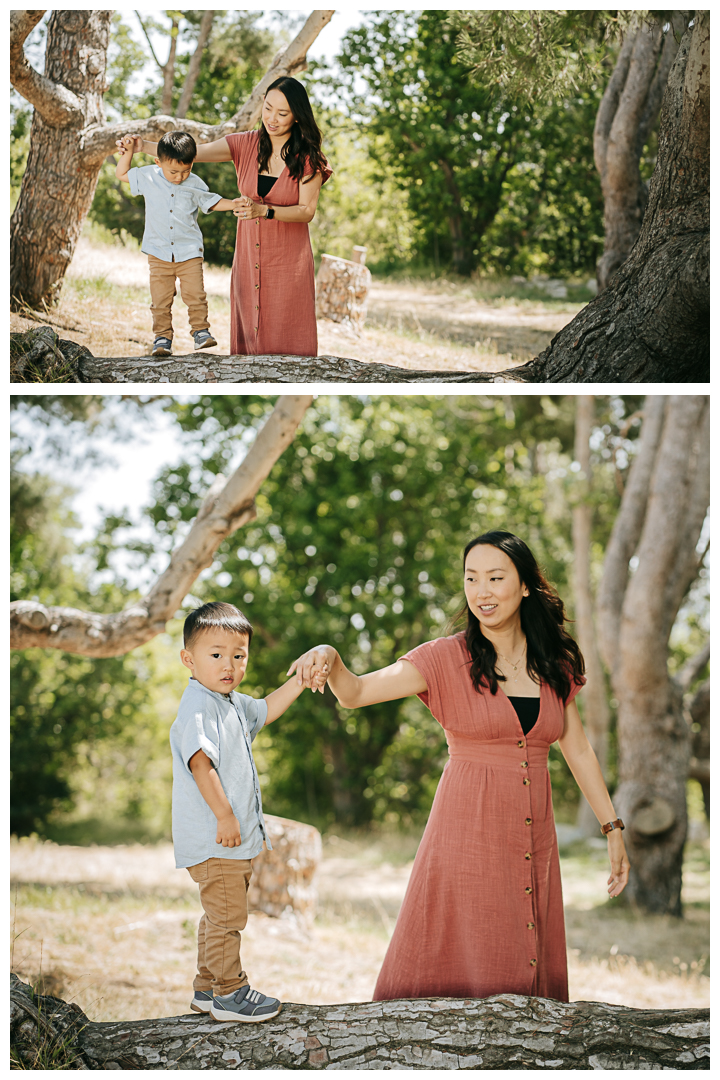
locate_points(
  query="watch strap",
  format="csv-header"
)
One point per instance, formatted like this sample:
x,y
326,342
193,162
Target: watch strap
x,y
616,824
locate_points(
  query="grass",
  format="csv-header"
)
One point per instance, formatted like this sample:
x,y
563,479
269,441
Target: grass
x,y
123,946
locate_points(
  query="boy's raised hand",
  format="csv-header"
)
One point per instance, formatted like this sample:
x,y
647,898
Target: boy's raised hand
x,y
129,142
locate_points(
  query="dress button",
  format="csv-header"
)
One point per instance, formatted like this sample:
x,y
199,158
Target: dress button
x,y
526,781
528,821
528,854
257,266
531,926
257,307
528,890
257,245
523,765
534,963
520,742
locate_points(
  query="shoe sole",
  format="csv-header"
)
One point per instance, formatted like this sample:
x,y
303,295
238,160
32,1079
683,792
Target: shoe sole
x,y
225,1016
198,1008
206,345
161,352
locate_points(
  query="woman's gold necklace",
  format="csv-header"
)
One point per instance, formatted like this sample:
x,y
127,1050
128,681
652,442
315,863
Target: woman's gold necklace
x,y
513,666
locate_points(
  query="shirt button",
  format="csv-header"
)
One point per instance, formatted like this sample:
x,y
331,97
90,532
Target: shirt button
x,y
528,821
528,854
528,890
526,781
534,963
523,764
171,211
531,926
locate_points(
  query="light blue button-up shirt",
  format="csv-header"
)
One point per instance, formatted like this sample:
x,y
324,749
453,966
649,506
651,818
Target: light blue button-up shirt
x,y
171,210
223,726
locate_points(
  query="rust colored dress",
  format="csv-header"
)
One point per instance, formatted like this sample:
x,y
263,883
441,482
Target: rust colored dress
x,y
272,286
483,911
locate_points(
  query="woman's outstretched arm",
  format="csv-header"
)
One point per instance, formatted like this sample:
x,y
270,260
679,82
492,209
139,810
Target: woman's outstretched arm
x,y
584,766
398,680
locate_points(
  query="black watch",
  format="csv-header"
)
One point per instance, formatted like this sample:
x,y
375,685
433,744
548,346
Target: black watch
x,y
270,212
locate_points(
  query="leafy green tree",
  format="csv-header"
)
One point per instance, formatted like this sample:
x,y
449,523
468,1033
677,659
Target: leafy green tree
x,y
62,706
463,151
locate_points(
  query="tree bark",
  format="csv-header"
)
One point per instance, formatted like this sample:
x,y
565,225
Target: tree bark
x,y
652,321
627,113
58,187
596,712
228,505
659,525
502,1032
194,67
69,138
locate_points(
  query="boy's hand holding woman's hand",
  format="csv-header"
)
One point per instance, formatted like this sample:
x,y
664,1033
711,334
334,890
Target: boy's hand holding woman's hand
x,y
129,142
314,667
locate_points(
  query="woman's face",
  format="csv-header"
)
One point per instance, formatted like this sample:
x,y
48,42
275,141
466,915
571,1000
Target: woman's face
x,y
493,588
276,114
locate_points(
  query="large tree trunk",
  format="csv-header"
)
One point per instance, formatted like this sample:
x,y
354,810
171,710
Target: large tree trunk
x,y
502,1032
57,188
228,505
652,321
659,525
69,139
596,712
626,116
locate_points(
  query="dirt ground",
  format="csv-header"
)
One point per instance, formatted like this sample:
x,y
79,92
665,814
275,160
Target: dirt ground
x,y
114,930
105,302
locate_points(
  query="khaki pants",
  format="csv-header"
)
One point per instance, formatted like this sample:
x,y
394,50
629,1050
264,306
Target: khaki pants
x,y
162,293
223,894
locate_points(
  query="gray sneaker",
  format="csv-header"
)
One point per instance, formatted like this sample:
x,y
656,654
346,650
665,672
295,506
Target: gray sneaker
x,y
162,346
246,1005
204,340
201,1002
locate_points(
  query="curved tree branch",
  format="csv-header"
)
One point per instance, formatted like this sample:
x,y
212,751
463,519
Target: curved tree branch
x,y
57,105
99,141
226,507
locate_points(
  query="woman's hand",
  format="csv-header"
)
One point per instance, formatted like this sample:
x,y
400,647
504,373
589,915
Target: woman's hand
x,y
314,667
619,863
247,209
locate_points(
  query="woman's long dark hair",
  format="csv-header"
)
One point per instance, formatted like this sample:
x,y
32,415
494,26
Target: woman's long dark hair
x,y
553,657
305,136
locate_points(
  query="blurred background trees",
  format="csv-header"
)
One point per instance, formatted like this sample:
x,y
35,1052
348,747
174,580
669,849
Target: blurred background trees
x,y
357,541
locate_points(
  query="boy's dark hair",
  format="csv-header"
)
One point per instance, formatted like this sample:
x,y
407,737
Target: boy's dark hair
x,y
215,615
177,146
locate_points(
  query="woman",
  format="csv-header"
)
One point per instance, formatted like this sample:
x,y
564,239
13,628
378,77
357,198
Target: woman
x,y
280,171
483,911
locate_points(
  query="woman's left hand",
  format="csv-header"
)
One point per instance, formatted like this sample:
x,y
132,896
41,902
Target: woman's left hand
x,y
248,209
619,863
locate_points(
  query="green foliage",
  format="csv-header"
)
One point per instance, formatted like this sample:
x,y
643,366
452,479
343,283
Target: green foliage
x,y
62,706
490,184
20,121
357,542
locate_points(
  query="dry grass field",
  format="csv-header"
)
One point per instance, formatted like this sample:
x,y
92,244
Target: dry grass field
x,y
113,929
439,325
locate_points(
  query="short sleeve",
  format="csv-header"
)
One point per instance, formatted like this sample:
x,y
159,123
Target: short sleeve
x,y
243,148
206,200
201,733
134,178
433,659
255,710
575,688
325,170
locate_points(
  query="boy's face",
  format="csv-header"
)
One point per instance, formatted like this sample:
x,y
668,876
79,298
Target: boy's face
x,y
218,659
174,171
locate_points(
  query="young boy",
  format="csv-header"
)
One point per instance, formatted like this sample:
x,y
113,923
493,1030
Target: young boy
x,y
172,239
217,818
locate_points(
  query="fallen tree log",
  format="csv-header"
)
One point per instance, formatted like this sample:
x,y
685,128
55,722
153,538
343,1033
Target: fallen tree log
x,y
502,1032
